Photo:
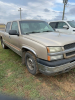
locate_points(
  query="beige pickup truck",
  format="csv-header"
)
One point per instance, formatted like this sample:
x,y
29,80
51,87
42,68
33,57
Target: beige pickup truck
x,y
42,50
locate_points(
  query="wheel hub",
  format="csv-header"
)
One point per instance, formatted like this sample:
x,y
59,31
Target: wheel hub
x,y
30,63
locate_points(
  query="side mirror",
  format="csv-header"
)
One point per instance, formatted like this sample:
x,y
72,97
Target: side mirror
x,y
13,32
66,27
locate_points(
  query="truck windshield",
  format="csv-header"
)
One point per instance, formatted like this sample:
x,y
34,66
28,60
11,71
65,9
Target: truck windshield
x,y
34,27
72,23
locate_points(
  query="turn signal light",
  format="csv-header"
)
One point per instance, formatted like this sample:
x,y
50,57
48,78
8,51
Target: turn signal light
x,y
48,58
48,50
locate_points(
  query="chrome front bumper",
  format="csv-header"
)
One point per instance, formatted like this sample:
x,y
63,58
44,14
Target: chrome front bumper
x,y
57,69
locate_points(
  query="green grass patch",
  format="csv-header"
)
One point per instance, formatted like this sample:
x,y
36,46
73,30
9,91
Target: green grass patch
x,y
13,79
16,80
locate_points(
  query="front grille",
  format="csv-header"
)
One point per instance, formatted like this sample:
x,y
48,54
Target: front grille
x,y
70,53
69,46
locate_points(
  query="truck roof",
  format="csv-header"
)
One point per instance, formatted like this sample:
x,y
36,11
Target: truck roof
x,y
60,21
26,20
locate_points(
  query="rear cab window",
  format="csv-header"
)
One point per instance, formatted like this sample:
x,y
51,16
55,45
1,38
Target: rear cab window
x,y
8,27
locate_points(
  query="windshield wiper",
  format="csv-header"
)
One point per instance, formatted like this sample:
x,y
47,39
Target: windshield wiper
x,y
48,31
32,32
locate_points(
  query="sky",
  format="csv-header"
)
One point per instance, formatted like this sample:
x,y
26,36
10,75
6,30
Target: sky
x,y
47,10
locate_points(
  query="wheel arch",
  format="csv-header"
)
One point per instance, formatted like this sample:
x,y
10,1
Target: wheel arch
x,y
24,48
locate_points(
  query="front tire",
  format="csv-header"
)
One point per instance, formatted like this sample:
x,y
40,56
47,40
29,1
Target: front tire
x,y
31,64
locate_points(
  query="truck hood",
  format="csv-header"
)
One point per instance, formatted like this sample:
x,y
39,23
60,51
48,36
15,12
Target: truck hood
x,y
51,38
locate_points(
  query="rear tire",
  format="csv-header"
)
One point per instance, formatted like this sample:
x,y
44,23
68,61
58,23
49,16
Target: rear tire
x,y
3,45
31,63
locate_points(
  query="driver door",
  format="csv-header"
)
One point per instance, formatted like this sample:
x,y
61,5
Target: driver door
x,y
14,39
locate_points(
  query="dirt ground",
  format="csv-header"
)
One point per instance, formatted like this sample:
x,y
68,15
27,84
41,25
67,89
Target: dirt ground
x,y
60,87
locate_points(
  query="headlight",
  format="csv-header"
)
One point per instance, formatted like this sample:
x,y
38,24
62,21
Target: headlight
x,y
56,57
54,50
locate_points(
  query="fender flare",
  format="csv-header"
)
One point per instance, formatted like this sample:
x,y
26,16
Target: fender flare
x,y
24,47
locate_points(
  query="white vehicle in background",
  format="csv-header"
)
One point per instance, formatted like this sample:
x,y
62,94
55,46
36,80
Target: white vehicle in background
x,y
63,26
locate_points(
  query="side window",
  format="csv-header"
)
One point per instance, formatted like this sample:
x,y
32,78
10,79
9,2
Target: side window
x,y
8,27
53,25
14,26
60,25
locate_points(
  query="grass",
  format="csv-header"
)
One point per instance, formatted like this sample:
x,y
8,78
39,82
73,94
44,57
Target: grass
x,y
16,80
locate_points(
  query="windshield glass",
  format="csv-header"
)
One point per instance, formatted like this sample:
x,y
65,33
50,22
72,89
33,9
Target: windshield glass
x,y
34,27
72,23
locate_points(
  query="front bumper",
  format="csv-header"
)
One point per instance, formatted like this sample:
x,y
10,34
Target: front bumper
x,y
56,67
